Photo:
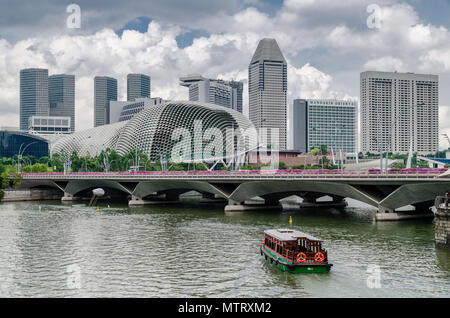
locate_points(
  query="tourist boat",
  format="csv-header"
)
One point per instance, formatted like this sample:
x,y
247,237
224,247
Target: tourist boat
x,y
294,251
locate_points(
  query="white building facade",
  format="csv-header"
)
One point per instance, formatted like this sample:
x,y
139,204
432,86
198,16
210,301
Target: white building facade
x,y
329,122
121,111
49,125
399,112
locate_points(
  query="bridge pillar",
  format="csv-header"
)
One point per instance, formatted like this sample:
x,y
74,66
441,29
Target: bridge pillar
x,y
387,214
311,202
442,224
212,198
68,197
136,201
234,206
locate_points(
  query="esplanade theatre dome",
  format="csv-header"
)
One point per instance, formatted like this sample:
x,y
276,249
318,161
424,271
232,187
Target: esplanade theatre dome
x,y
158,130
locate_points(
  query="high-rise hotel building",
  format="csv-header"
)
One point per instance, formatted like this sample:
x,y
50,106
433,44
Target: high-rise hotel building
x,y
267,90
399,112
329,122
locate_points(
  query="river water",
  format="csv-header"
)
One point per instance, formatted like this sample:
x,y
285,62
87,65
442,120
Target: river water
x,y
48,249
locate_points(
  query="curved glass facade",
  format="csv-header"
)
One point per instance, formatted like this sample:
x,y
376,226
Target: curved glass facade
x,y
11,142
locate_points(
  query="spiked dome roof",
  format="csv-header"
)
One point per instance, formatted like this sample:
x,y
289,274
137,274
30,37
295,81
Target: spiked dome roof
x,y
152,131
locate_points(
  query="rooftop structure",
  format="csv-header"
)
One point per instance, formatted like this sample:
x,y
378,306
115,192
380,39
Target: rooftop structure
x,y
286,235
47,125
214,91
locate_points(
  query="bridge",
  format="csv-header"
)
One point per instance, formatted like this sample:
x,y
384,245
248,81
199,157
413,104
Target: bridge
x,y
387,192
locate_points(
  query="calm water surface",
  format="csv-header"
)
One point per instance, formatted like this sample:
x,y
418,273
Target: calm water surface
x,y
199,251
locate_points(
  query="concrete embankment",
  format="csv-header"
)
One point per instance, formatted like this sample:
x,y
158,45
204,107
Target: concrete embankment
x,y
31,195
442,223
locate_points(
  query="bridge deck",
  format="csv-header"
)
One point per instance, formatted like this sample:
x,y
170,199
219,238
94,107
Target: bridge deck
x,y
391,190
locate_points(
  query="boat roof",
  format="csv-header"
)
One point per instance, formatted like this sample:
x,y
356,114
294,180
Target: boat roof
x,y
289,235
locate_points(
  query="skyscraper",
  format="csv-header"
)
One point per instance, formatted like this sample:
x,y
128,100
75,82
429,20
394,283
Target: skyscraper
x,y
138,86
399,112
299,124
105,89
33,94
214,91
267,90
61,96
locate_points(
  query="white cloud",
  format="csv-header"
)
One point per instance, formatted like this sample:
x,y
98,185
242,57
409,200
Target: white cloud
x,y
155,53
385,64
437,60
337,29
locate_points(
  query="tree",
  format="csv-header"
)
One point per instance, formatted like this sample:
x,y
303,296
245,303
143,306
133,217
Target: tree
x,y
16,180
323,149
5,180
315,151
398,165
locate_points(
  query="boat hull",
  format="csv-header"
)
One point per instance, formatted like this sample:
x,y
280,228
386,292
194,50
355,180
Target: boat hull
x,y
288,266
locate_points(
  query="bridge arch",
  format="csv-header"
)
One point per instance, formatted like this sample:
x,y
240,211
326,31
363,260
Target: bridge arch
x,y
145,188
74,187
411,194
248,190
32,184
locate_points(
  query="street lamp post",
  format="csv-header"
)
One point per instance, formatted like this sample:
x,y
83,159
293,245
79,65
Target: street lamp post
x,y
21,152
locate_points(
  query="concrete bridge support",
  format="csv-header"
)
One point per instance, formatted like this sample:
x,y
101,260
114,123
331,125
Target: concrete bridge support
x,y
68,197
310,201
234,206
387,214
160,198
442,223
212,198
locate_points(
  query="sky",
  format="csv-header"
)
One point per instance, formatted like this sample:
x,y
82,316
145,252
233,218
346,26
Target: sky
x,y
327,44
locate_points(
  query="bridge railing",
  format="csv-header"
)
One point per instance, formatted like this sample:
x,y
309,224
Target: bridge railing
x,y
258,174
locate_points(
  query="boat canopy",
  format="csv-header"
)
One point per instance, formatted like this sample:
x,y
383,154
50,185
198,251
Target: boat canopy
x,y
286,235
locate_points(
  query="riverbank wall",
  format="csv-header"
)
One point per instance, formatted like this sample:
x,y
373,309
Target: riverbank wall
x,y
31,195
